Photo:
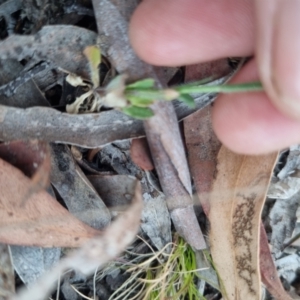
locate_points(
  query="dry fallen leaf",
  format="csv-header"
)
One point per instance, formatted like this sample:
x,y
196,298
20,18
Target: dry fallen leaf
x,y
140,154
31,262
268,270
94,253
202,148
116,191
236,201
33,158
41,221
27,95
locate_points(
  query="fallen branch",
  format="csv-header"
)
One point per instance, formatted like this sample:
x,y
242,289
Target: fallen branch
x,y
90,130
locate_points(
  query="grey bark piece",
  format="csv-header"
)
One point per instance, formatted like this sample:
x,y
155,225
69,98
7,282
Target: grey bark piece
x,y
90,130
47,79
155,220
78,194
31,262
185,229
7,9
116,191
292,163
35,11
28,94
288,266
155,216
117,155
286,188
22,83
42,12
287,183
282,221
127,9
68,292
206,272
7,278
66,287
61,45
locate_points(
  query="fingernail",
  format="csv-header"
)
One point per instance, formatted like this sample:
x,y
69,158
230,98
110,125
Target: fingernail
x,y
285,57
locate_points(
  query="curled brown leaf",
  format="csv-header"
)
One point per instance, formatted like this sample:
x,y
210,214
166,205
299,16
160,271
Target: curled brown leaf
x,y
41,221
94,253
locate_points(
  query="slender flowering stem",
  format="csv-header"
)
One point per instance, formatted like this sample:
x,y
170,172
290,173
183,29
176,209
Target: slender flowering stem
x,y
173,93
228,88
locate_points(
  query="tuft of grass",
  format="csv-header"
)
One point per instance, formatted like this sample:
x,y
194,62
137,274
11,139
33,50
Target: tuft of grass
x,y
170,273
177,277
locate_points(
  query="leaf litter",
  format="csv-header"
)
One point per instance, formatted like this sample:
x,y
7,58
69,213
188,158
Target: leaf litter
x,y
36,59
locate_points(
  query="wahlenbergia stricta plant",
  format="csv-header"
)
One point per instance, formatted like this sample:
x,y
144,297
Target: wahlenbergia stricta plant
x,y
136,98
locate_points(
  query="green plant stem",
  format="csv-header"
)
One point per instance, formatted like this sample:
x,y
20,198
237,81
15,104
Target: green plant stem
x,y
147,94
173,93
226,88
141,94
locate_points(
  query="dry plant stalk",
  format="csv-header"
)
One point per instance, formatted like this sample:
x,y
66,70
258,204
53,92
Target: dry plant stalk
x,y
236,201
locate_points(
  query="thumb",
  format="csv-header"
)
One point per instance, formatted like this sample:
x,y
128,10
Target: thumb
x,y
278,52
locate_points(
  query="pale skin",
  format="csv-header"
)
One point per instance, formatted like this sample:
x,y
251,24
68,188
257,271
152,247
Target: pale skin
x,y
181,32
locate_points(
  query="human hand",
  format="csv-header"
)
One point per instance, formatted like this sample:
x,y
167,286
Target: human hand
x,y
185,32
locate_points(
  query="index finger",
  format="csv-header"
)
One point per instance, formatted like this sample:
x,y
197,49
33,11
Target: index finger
x,y
184,32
